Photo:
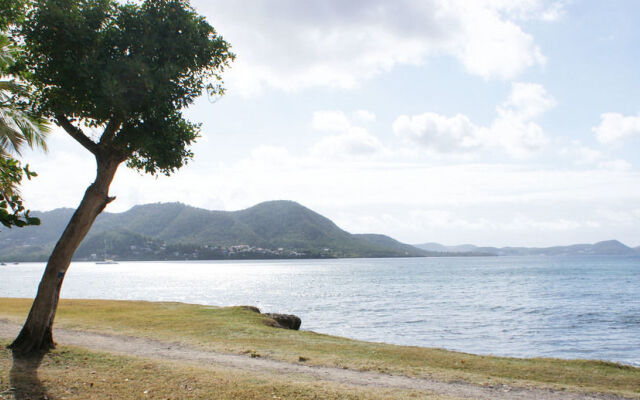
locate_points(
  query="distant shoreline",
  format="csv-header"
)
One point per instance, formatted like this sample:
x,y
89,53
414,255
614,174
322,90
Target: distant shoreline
x,y
11,262
247,258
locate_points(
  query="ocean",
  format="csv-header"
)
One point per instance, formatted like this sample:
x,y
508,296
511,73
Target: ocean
x,y
563,307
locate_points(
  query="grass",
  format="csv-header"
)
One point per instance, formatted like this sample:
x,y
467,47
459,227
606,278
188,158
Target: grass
x,y
237,330
72,373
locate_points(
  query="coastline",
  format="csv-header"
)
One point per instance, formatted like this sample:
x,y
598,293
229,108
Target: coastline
x,y
238,332
507,307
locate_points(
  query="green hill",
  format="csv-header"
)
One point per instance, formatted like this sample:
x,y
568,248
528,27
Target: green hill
x,y
605,248
274,229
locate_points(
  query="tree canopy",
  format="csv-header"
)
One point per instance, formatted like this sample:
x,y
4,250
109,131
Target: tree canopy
x,y
129,68
11,13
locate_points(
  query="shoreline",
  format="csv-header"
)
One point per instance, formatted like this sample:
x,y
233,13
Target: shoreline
x,y
509,306
238,332
373,342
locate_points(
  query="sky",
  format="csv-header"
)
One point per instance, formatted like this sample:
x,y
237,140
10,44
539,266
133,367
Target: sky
x,y
498,123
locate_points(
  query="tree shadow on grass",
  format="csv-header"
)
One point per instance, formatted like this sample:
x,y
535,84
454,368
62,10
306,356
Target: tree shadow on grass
x,y
25,384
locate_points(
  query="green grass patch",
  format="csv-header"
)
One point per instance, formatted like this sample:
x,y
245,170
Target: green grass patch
x,y
237,330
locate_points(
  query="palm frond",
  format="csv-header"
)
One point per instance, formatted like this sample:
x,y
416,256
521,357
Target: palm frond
x,y
19,126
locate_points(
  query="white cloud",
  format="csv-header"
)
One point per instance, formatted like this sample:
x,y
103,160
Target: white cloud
x,y
527,101
588,157
489,45
512,131
615,127
350,140
294,44
355,142
579,153
555,11
517,137
532,9
438,132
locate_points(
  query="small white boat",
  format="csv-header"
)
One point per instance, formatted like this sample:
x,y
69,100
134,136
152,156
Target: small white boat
x,y
106,261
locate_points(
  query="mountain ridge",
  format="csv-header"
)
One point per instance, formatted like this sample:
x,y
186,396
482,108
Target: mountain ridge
x,y
604,248
273,229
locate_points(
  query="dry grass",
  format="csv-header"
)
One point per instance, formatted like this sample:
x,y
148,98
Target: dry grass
x,y
237,330
71,373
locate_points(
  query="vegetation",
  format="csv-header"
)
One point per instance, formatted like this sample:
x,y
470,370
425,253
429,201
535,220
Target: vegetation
x,y
176,232
20,124
238,330
604,248
12,211
73,373
126,71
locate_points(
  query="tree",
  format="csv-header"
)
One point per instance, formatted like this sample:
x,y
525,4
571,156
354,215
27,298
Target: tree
x,y
19,124
11,12
12,211
127,71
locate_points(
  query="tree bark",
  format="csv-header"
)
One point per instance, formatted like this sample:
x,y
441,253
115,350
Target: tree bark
x,y
36,334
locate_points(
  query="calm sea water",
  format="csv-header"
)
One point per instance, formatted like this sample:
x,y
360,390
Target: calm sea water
x,y
566,307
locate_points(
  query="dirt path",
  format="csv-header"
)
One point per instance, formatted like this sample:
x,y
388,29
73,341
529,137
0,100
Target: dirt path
x,y
146,348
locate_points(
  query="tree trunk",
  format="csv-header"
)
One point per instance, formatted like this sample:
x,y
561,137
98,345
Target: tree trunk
x,y
36,335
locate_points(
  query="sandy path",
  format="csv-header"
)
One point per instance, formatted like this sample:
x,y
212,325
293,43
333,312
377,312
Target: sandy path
x,y
132,346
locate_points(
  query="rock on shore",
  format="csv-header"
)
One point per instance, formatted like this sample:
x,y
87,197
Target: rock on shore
x,y
285,321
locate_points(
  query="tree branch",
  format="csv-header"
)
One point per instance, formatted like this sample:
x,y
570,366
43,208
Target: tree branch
x,y
110,132
77,134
